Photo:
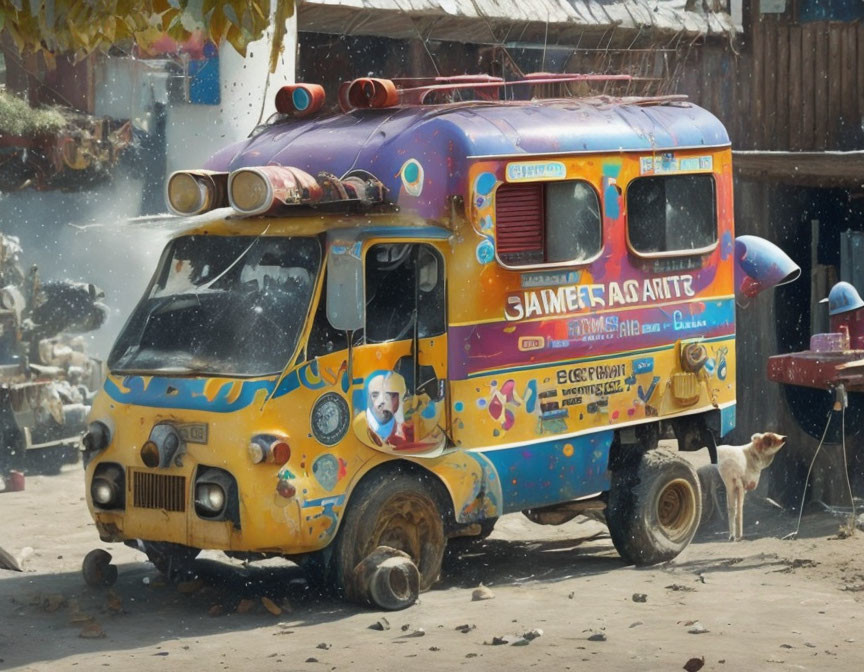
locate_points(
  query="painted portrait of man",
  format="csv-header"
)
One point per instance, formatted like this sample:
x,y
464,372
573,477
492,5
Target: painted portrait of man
x,y
385,411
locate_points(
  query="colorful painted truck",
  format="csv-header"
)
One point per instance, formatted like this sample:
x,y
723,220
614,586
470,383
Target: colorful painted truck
x,y
419,317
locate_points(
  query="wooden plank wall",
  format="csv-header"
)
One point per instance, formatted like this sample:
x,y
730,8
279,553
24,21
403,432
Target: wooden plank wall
x,y
803,85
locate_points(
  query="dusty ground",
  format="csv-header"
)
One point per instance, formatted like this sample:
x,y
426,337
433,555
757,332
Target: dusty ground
x,y
766,603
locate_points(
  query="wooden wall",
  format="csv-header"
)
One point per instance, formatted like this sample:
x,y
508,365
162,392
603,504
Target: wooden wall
x,y
804,85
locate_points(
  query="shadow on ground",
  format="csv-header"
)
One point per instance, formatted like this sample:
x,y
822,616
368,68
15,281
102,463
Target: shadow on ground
x,y
211,601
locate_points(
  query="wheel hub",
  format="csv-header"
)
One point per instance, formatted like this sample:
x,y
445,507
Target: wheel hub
x,y
676,509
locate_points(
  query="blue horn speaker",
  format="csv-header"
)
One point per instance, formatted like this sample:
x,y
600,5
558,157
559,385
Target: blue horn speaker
x,y
759,265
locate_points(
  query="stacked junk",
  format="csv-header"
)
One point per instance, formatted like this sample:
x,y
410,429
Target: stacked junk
x,y
47,381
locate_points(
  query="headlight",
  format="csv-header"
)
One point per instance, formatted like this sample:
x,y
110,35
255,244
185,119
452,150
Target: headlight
x,y
209,498
96,438
216,496
103,492
191,192
107,486
250,192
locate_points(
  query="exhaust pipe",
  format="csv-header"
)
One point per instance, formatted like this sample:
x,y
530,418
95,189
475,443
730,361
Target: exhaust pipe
x,y
760,265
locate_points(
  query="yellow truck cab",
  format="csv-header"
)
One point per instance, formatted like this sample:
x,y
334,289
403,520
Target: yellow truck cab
x,y
415,318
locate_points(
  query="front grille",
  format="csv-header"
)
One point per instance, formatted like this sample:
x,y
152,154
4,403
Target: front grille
x,y
158,491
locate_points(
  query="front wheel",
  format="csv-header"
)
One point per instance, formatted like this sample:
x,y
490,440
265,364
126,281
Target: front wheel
x,y
395,510
655,505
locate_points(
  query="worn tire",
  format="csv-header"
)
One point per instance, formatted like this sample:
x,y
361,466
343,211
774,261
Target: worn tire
x,y
98,570
396,510
655,506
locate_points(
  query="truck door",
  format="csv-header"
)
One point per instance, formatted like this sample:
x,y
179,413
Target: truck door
x,y
401,352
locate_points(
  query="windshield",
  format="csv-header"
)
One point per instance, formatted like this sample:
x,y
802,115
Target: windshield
x,y
222,305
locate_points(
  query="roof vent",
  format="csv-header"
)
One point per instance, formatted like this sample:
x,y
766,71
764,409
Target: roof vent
x,y
519,224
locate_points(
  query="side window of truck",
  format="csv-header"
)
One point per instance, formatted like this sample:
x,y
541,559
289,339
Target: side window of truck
x,y
399,278
551,223
672,213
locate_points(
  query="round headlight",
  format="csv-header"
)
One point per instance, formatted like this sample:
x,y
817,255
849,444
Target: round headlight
x,y
102,492
250,192
186,195
210,497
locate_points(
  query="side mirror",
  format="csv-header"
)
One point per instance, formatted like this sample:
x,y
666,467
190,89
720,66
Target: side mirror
x,y
345,304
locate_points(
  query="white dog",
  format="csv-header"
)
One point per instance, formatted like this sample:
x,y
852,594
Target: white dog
x,y
739,468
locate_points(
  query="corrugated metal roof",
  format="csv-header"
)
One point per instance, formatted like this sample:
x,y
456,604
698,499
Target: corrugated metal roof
x,y
491,21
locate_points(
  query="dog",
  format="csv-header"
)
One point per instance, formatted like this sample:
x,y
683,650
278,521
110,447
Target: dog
x,y
737,471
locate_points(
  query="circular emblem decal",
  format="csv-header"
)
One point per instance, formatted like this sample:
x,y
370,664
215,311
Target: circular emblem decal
x,y
330,419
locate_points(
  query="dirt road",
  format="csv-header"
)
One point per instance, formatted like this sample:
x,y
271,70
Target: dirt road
x,y
763,603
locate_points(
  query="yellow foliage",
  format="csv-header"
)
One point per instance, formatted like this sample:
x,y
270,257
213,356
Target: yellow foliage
x,y
96,25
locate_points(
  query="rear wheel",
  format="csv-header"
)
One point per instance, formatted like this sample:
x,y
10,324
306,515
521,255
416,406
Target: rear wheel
x,y
395,510
655,505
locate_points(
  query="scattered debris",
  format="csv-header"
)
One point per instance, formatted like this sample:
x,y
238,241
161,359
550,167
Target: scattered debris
x,y
635,624
189,587
694,664
9,562
597,637
92,631
572,595
115,602
516,640
698,629
310,659
419,632
796,563
76,615
52,602
470,655
465,629
640,597
771,502
245,606
434,648
326,646
381,624
482,593
679,588
271,606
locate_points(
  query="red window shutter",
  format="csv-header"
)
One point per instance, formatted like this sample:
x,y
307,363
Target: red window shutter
x,y
520,223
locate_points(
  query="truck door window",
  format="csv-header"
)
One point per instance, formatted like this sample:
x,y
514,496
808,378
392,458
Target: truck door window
x,y
430,293
547,223
390,279
397,274
672,213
